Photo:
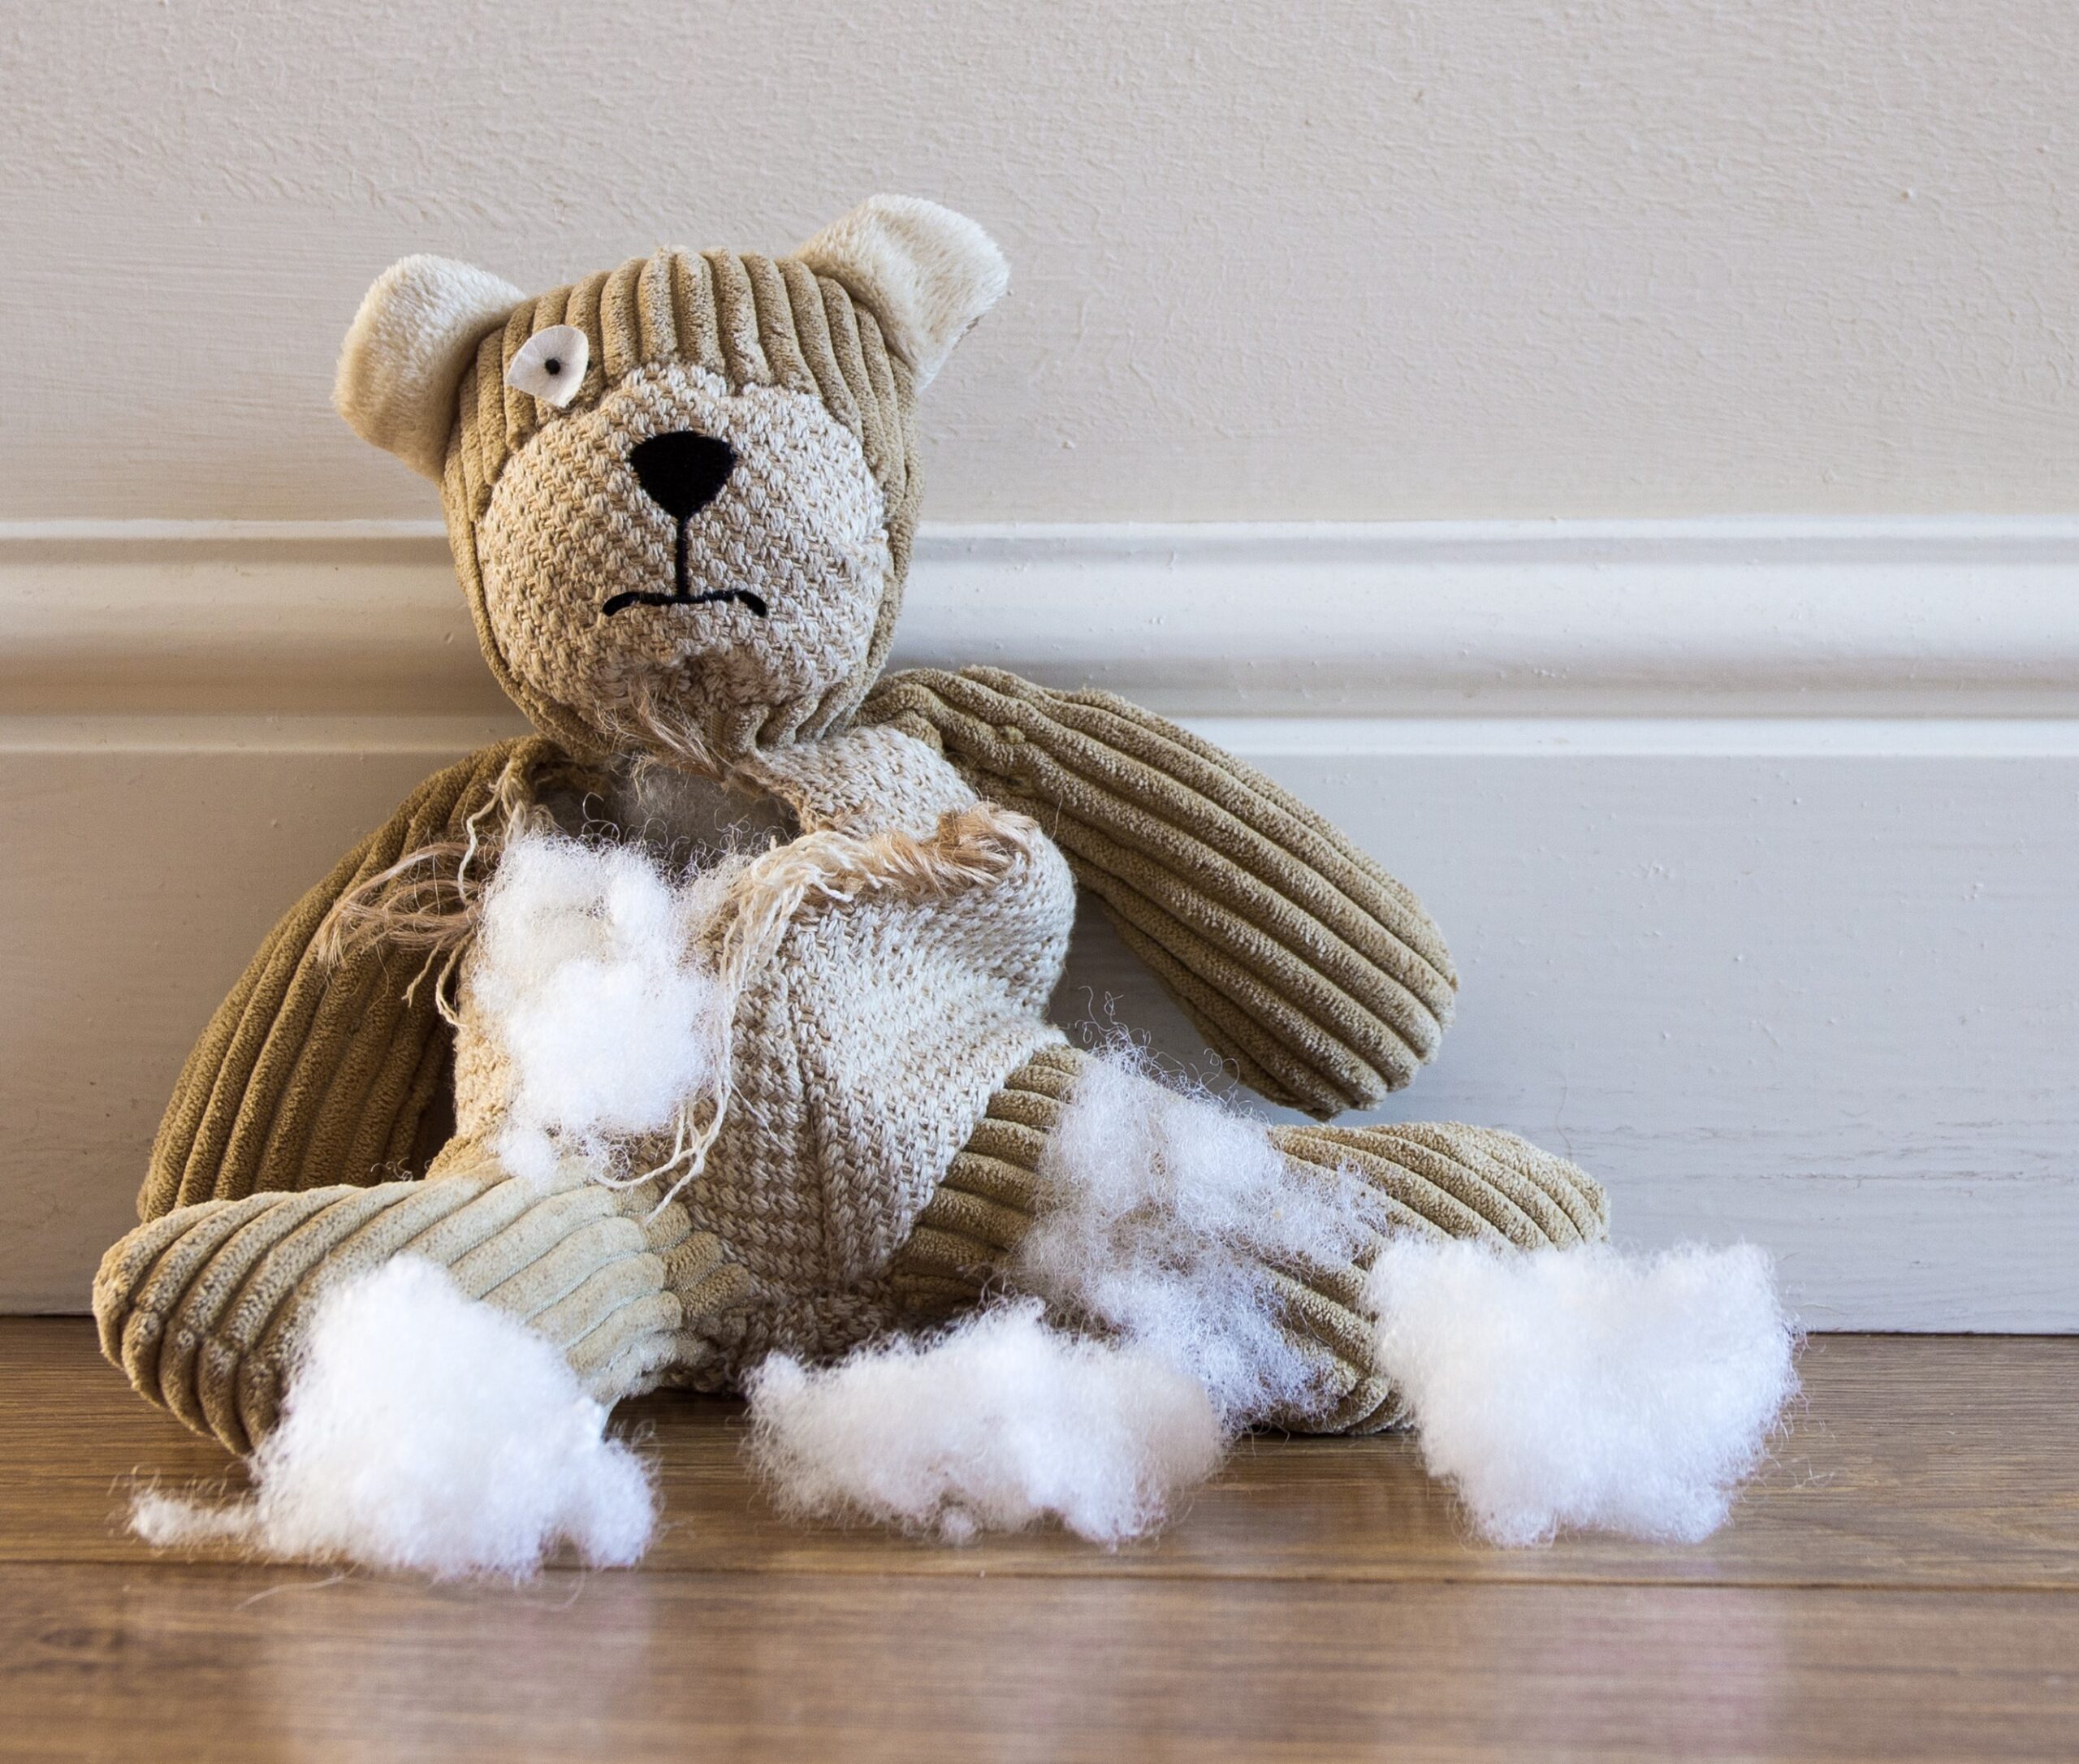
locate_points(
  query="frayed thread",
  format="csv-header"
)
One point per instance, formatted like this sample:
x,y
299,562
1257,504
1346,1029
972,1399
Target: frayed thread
x,y
613,989
427,900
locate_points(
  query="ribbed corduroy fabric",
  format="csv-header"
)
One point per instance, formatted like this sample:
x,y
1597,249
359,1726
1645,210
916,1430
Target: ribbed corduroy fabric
x,y
755,321
309,1073
1291,951
204,1306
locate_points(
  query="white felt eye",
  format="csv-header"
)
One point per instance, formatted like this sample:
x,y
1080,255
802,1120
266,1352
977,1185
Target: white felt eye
x,y
550,365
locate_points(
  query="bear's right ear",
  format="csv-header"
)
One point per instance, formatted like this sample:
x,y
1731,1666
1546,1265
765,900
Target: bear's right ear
x,y
927,273
406,351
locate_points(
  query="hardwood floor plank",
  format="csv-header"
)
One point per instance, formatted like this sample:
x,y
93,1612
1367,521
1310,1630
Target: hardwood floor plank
x,y
1912,1462
198,1662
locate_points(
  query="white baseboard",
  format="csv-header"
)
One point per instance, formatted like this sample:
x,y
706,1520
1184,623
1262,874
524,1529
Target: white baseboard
x,y
1758,843
1939,617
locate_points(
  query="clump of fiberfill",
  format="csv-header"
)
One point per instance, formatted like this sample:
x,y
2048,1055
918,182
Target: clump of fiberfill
x,y
1170,1210
588,976
998,1423
1575,1387
1582,1387
425,1430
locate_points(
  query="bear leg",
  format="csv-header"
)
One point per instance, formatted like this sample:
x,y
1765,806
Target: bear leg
x,y
1447,1180
204,1308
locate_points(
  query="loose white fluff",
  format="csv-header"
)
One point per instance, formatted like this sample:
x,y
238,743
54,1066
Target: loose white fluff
x,y
587,975
1169,1208
1169,1205
404,355
1564,1388
997,1424
423,1430
1582,1387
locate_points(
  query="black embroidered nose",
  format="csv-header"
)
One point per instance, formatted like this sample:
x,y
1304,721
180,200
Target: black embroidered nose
x,y
682,471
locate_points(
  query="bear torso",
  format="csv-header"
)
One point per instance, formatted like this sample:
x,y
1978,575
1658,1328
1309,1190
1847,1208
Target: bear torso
x,y
865,1051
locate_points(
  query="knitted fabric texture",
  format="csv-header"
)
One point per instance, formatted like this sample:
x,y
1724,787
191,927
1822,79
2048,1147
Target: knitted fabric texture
x,y
743,330
869,1032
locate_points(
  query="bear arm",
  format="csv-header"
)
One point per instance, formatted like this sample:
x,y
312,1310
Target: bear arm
x,y
314,1073
1294,954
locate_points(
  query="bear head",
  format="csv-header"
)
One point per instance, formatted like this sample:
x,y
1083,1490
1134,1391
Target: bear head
x,y
687,485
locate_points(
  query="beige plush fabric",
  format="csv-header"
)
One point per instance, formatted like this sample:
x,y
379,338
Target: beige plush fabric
x,y
801,507
717,319
416,331
928,272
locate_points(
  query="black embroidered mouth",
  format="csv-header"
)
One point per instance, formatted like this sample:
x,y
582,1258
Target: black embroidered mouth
x,y
621,603
678,596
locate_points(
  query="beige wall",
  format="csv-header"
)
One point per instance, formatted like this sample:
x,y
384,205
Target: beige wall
x,y
1303,260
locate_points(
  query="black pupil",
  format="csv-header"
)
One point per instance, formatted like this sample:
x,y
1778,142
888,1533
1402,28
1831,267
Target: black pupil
x,y
553,364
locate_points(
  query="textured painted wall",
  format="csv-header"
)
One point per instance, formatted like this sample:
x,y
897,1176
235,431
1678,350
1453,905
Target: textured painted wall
x,y
1308,259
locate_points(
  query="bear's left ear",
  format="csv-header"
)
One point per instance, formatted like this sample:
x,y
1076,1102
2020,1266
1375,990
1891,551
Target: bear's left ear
x,y
927,274
405,353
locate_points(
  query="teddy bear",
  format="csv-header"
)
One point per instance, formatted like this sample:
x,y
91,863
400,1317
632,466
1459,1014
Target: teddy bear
x,y
801,921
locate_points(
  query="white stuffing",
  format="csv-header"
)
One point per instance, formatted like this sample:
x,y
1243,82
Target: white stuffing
x,y
1575,1387
1582,1387
424,1430
1169,1204
997,1424
587,975
1170,1207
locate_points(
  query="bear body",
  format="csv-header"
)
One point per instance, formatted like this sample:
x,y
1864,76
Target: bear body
x,y
681,496
867,1049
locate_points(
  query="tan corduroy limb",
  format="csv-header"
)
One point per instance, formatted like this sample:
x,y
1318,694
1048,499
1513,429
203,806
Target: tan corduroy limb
x,y
204,1307
312,1073
1293,952
1447,1180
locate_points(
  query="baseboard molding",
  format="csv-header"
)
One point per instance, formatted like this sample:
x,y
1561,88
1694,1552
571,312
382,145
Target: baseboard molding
x,y
1755,843
1942,617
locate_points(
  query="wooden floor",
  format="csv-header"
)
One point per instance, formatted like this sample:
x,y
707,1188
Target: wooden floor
x,y
1903,1584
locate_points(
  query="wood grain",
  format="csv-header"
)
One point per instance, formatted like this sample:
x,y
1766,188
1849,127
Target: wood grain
x,y
1904,1583
96,1662
1950,1461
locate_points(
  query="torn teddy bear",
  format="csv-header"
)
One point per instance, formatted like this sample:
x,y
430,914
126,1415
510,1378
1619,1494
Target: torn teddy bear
x,y
706,1030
